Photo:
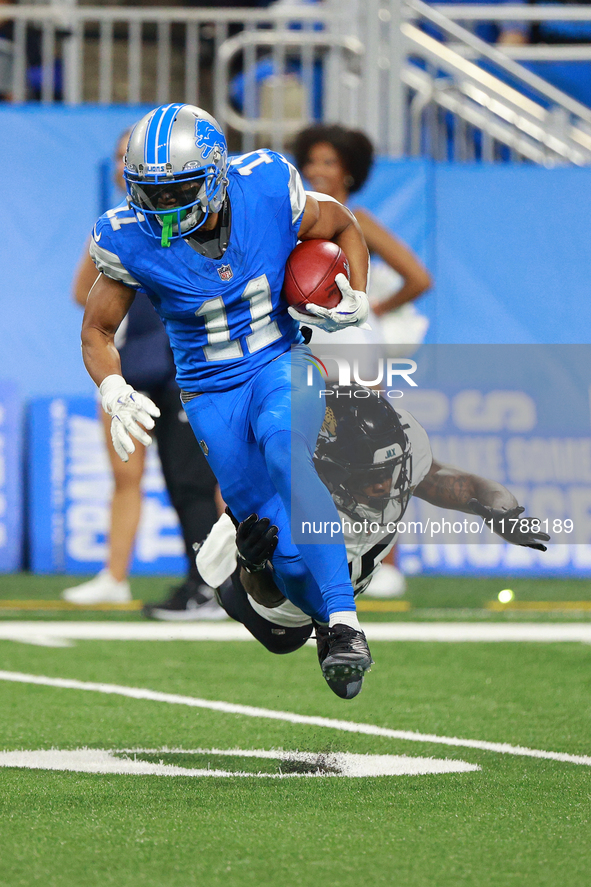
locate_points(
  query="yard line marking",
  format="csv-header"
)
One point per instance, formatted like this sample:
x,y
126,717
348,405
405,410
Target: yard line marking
x,y
250,711
66,605
41,631
100,760
63,633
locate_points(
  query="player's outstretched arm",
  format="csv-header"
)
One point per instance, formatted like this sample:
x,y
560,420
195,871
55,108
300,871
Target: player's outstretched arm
x,y
448,487
107,304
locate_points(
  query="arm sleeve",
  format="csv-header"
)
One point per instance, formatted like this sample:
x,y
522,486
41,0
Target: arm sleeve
x,y
297,195
326,198
107,261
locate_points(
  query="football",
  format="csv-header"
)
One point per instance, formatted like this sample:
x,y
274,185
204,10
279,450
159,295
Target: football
x,y
310,274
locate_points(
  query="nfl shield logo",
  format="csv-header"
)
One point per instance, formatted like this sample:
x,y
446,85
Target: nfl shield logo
x,y
225,272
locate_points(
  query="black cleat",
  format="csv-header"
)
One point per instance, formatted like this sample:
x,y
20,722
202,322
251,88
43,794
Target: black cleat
x,y
344,658
189,602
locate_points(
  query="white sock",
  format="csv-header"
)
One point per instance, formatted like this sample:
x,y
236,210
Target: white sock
x,y
346,617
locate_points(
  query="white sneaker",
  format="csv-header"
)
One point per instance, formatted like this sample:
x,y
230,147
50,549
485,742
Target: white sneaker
x,y
103,589
388,582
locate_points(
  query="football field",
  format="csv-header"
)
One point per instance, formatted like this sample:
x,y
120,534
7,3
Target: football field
x,y
169,763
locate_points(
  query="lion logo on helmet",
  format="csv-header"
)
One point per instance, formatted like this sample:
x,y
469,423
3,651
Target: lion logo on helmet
x,y
209,140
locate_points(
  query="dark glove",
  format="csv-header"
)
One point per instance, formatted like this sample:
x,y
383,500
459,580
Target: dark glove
x,y
255,540
510,526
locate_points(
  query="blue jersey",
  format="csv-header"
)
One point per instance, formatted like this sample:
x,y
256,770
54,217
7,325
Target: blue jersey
x,y
225,317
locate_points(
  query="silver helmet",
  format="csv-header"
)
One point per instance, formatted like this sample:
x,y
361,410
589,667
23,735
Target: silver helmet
x,y
175,170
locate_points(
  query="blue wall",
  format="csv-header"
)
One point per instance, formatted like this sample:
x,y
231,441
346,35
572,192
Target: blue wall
x,y
69,493
11,480
512,254
509,247
50,195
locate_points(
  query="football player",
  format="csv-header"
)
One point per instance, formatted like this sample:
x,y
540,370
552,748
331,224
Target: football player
x,y
372,458
207,240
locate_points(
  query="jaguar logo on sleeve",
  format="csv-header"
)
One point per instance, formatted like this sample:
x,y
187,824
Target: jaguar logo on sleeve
x,y
329,426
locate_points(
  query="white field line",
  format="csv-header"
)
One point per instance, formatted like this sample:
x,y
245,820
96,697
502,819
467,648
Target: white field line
x,y
96,760
63,633
250,711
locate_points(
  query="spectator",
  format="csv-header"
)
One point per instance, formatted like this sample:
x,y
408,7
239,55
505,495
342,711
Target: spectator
x,y
572,77
337,161
33,50
492,32
6,54
147,362
552,30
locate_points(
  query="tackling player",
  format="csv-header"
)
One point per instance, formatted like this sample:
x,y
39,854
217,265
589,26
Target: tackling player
x,y
373,459
208,241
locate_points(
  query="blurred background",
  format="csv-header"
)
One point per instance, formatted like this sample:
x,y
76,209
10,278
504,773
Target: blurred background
x,y
480,116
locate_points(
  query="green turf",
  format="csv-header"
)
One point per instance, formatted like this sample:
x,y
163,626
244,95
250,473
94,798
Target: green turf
x,y
427,596
518,821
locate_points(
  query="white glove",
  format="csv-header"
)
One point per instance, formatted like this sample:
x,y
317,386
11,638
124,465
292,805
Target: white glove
x,y
127,407
352,310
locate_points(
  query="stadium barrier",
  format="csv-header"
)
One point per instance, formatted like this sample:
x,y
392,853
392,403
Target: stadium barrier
x,y
507,246
413,75
70,484
11,478
519,415
516,414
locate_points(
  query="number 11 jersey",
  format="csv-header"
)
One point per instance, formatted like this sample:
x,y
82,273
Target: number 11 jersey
x,y
225,317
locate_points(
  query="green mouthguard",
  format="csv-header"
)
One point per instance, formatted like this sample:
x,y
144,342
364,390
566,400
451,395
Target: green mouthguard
x,y
167,223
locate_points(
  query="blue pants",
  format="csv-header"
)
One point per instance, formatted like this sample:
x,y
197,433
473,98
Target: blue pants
x,y
257,438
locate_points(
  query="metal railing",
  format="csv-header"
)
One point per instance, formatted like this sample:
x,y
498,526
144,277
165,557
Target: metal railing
x,y
274,120
266,72
152,55
473,97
